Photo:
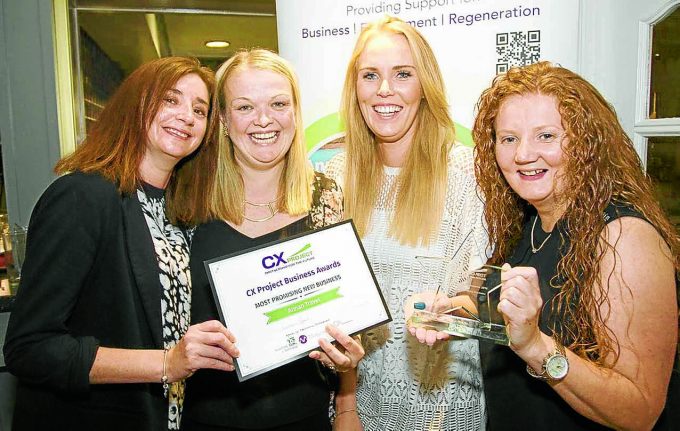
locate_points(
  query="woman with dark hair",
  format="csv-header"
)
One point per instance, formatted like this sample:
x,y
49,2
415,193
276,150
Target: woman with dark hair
x,y
589,259
105,287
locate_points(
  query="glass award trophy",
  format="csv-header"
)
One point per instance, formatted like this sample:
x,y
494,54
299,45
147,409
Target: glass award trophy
x,y
472,312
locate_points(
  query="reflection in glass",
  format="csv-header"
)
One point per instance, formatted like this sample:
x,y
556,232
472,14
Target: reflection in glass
x,y
465,304
663,166
101,76
112,38
664,96
474,315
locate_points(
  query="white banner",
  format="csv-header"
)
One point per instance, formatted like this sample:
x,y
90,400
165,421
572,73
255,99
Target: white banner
x,y
472,39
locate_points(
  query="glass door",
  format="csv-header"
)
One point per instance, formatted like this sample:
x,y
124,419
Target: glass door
x,y
100,42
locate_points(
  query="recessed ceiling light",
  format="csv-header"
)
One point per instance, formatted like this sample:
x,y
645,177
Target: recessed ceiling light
x,y
217,44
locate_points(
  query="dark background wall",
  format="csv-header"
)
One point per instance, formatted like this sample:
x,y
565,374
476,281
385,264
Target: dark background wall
x,y
28,124
28,107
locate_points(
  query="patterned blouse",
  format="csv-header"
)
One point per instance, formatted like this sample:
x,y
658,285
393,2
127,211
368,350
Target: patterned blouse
x,y
172,251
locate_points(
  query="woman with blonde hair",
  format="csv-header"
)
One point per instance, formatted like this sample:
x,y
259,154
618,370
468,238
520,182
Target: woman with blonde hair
x,y
411,192
589,289
265,190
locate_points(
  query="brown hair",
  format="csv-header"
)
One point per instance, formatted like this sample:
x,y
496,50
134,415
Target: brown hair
x,y
116,143
602,167
422,181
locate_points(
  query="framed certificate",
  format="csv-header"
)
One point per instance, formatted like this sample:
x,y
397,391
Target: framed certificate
x,y
277,298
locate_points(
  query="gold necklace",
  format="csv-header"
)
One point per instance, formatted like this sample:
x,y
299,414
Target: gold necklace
x,y
272,209
535,250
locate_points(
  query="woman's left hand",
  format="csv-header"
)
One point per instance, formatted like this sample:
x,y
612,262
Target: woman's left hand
x,y
520,304
342,358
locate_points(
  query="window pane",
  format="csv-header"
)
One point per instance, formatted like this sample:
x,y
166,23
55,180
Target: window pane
x,y
663,166
114,43
664,97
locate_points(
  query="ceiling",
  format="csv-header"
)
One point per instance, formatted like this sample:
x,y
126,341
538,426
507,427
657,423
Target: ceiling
x,y
132,32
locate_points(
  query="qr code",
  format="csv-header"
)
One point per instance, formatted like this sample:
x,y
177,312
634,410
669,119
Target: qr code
x,y
517,48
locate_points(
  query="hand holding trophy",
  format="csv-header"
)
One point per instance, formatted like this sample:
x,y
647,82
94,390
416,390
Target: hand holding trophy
x,y
471,313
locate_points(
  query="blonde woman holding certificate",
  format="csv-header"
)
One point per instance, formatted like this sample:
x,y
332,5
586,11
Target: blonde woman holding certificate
x,y
266,191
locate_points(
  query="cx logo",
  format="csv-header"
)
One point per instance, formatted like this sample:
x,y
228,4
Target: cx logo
x,y
269,262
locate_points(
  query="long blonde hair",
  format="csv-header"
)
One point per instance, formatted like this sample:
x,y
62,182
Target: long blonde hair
x,y
295,184
422,182
602,167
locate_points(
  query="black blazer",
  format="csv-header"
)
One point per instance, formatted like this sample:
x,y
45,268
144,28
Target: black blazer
x,y
90,278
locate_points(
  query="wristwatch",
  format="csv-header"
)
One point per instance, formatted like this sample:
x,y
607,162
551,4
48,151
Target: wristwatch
x,y
555,365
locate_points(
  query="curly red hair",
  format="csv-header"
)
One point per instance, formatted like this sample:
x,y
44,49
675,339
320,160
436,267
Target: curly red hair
x,y
601,166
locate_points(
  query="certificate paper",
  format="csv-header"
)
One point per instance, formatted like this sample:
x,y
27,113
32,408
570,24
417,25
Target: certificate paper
x,y
277,299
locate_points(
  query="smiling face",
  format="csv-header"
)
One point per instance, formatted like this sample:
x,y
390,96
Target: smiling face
x,y
179,125
388,89
260,116
529,140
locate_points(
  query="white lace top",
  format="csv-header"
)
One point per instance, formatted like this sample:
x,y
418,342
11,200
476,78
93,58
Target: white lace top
x,y
405,385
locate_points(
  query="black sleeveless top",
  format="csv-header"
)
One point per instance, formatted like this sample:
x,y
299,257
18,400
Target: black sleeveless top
x,y
515,400
288,394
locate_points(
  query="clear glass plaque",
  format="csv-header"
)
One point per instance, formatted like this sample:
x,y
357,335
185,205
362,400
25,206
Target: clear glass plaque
x,y
473,314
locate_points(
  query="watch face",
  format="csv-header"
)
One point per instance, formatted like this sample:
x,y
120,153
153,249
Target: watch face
x,y
557,367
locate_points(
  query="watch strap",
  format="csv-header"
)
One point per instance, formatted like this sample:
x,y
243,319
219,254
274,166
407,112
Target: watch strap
x,y
534,374
543,375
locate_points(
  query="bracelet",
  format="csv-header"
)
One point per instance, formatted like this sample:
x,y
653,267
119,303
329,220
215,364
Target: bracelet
x,y
164,378
345,411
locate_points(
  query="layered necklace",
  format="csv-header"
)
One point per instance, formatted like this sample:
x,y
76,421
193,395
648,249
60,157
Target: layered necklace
x,y
271,205
535,249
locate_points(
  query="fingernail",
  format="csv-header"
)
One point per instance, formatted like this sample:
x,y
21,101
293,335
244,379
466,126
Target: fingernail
x,y
419,305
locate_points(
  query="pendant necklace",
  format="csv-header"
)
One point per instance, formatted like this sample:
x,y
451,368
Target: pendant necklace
x,y
535,250
273,210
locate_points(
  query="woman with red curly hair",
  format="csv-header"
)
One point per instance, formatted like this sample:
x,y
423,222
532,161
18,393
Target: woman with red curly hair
x,y
590,260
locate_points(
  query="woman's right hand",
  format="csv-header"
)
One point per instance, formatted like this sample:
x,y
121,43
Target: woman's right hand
x,y
520,304
205,345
